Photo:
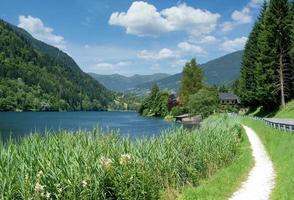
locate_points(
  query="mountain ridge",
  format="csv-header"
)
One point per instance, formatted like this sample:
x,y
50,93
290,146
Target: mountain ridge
x,y
222,70
35,76
118,82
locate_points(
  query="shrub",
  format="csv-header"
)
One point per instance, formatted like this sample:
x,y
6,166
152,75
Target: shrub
x,y
204,102
178,110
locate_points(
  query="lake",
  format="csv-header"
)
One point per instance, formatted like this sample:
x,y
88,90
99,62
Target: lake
x,y
19,124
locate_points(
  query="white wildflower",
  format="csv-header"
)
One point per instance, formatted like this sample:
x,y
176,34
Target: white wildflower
x,y
39,187
48,195
125,158
106,162
84,183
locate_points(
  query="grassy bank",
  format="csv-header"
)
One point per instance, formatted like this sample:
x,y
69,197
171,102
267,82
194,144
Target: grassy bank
x,y
103,166
279,145
287,112
226,181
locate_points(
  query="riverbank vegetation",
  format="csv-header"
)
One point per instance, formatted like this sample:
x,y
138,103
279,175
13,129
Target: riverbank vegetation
x,y
104,166
155,104
279,146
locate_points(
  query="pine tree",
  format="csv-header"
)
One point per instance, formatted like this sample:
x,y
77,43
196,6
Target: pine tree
x,y
248,82
264,74
277,37
192,80
292,47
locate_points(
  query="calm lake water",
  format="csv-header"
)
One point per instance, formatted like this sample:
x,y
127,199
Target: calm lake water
x,y
18,125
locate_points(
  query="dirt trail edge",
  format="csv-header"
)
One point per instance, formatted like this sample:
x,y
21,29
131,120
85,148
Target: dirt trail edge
x,y
261,179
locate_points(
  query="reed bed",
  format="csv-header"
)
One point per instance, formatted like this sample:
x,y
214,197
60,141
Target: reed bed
x,y
97,165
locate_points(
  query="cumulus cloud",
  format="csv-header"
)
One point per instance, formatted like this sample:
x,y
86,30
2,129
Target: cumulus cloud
x,y
36,28
255,3
209,39
110,67
227,26
163,54
234,45
191,48
243,16
104,66
143,19
179,64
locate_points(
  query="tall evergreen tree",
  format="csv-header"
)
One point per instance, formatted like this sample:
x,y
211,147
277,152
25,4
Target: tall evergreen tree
x,y
267,75
292,46
192,80
277,36
265,68
248,83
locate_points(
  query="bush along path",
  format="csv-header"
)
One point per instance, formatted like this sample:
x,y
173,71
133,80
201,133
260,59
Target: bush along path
x,y
261,179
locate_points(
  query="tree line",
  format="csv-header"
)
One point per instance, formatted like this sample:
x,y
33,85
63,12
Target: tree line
x,y
195,97
267,70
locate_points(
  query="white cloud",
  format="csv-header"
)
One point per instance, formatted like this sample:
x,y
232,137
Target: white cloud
x,y
209,39
110,67
123,63
197,22
242,17
36,27
163,54
143,19
191,48
227,26
179,64
104,66
234,45
255,3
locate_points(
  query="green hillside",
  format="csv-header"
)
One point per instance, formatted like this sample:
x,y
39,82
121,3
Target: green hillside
x,y
37,77
287,112
120,83
222,70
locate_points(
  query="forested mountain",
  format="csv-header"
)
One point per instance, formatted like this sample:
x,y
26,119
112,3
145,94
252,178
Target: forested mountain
x,y
223,70
267,73
120,83
35,76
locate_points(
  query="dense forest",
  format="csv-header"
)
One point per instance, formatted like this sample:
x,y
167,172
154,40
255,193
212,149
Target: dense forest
x,y
37,77
267,71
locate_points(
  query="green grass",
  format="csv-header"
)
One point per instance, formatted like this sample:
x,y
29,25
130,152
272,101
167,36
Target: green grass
x,y
280,146
104,166
287,112
225,182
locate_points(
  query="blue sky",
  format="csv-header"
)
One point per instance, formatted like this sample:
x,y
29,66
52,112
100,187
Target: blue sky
x,y
136,37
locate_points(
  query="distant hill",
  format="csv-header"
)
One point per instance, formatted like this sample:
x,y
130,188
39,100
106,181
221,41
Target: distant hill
x,y
121,83
35,76
222,70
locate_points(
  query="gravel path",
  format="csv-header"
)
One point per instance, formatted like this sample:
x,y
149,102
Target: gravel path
x,y
261,179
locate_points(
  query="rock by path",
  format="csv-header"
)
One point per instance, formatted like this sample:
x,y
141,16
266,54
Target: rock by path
x,y
261,179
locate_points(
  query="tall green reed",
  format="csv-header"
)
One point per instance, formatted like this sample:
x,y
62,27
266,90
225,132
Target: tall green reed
x,y
97,165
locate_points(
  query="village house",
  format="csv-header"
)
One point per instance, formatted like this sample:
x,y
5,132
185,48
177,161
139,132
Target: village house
x,y
228,98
